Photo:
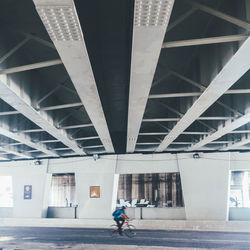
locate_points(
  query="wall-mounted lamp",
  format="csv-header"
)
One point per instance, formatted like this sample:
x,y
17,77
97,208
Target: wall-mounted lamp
x,y
196,156
95,157
37,162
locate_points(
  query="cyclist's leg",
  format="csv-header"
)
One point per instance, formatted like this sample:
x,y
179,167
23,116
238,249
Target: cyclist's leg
x,y
117,224
120,222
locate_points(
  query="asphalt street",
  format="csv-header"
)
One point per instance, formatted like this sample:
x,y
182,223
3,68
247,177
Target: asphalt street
x,y
84,238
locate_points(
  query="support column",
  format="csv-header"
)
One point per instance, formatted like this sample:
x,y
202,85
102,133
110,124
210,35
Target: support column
x,y
205,185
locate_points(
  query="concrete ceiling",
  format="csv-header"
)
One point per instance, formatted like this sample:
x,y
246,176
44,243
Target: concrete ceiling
x,y
101,77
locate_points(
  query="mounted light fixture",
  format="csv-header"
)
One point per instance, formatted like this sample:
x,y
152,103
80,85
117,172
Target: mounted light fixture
x,y
95,157
196,156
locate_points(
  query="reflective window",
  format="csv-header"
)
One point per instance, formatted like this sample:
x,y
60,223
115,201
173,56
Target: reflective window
x,y
6,193
63,190
150,190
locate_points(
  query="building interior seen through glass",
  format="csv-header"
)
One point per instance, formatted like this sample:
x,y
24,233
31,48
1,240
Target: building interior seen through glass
x,y
240,189
150,190
63,190
6,192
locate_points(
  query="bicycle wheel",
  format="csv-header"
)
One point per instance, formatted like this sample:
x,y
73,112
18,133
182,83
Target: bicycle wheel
x,y
129,231
113,232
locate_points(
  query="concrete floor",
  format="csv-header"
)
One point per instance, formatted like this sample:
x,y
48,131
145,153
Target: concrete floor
x,y
81,238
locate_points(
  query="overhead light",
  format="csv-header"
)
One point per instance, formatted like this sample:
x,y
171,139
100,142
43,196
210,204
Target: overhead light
x,y
61,22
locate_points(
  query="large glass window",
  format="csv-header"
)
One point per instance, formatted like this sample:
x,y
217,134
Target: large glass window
x,y
239,189
63,190
6,193
150,190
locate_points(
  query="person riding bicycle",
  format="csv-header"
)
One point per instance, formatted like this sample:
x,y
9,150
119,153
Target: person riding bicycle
x,y
119,217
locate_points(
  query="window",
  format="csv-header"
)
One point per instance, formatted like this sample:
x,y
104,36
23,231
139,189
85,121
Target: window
x,y
239,189
6,193
150,190
63,190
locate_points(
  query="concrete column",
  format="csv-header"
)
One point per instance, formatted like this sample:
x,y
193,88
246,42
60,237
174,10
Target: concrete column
x,y
205,185
99,173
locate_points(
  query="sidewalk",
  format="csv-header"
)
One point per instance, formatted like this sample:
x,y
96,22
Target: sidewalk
x,y
223,226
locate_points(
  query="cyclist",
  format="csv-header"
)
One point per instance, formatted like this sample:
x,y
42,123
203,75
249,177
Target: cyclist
x,y
119,217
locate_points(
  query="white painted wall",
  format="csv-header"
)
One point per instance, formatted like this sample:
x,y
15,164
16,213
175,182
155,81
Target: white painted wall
x,y
26,173
150,163
205,185
91,173
205,181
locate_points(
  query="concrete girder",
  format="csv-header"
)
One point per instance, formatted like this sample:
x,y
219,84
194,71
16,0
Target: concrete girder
x,y
12,94
146,47
23,139
229,126
71,47
235,68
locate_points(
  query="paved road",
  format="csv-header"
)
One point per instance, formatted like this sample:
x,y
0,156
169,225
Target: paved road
x,y
82,238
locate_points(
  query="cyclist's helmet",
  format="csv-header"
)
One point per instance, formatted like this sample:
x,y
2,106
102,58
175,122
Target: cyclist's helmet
x,y
123,207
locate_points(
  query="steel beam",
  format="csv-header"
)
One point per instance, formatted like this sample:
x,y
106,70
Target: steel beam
x,y
76,126
181,18
200,86
235,68
40,40
30,130
238,144
229,127
30,66
11,151
240,132
191,94
160,79
49,141
184,133
204,41
12,51
61,149
71,47
62,106
181,115
148,36
86,138
95,146
12,94
24,140
174,95
14,112
161,120
202,118
220,15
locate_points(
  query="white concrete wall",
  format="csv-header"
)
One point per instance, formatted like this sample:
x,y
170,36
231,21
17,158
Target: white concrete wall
x,y
91,173
26,173
205,181
150,163
205,185
166,213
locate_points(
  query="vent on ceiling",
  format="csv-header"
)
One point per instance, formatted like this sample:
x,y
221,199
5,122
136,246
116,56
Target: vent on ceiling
x,y
152,12
61,23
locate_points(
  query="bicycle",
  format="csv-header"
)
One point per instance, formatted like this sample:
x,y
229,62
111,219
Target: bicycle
x,y
127,229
